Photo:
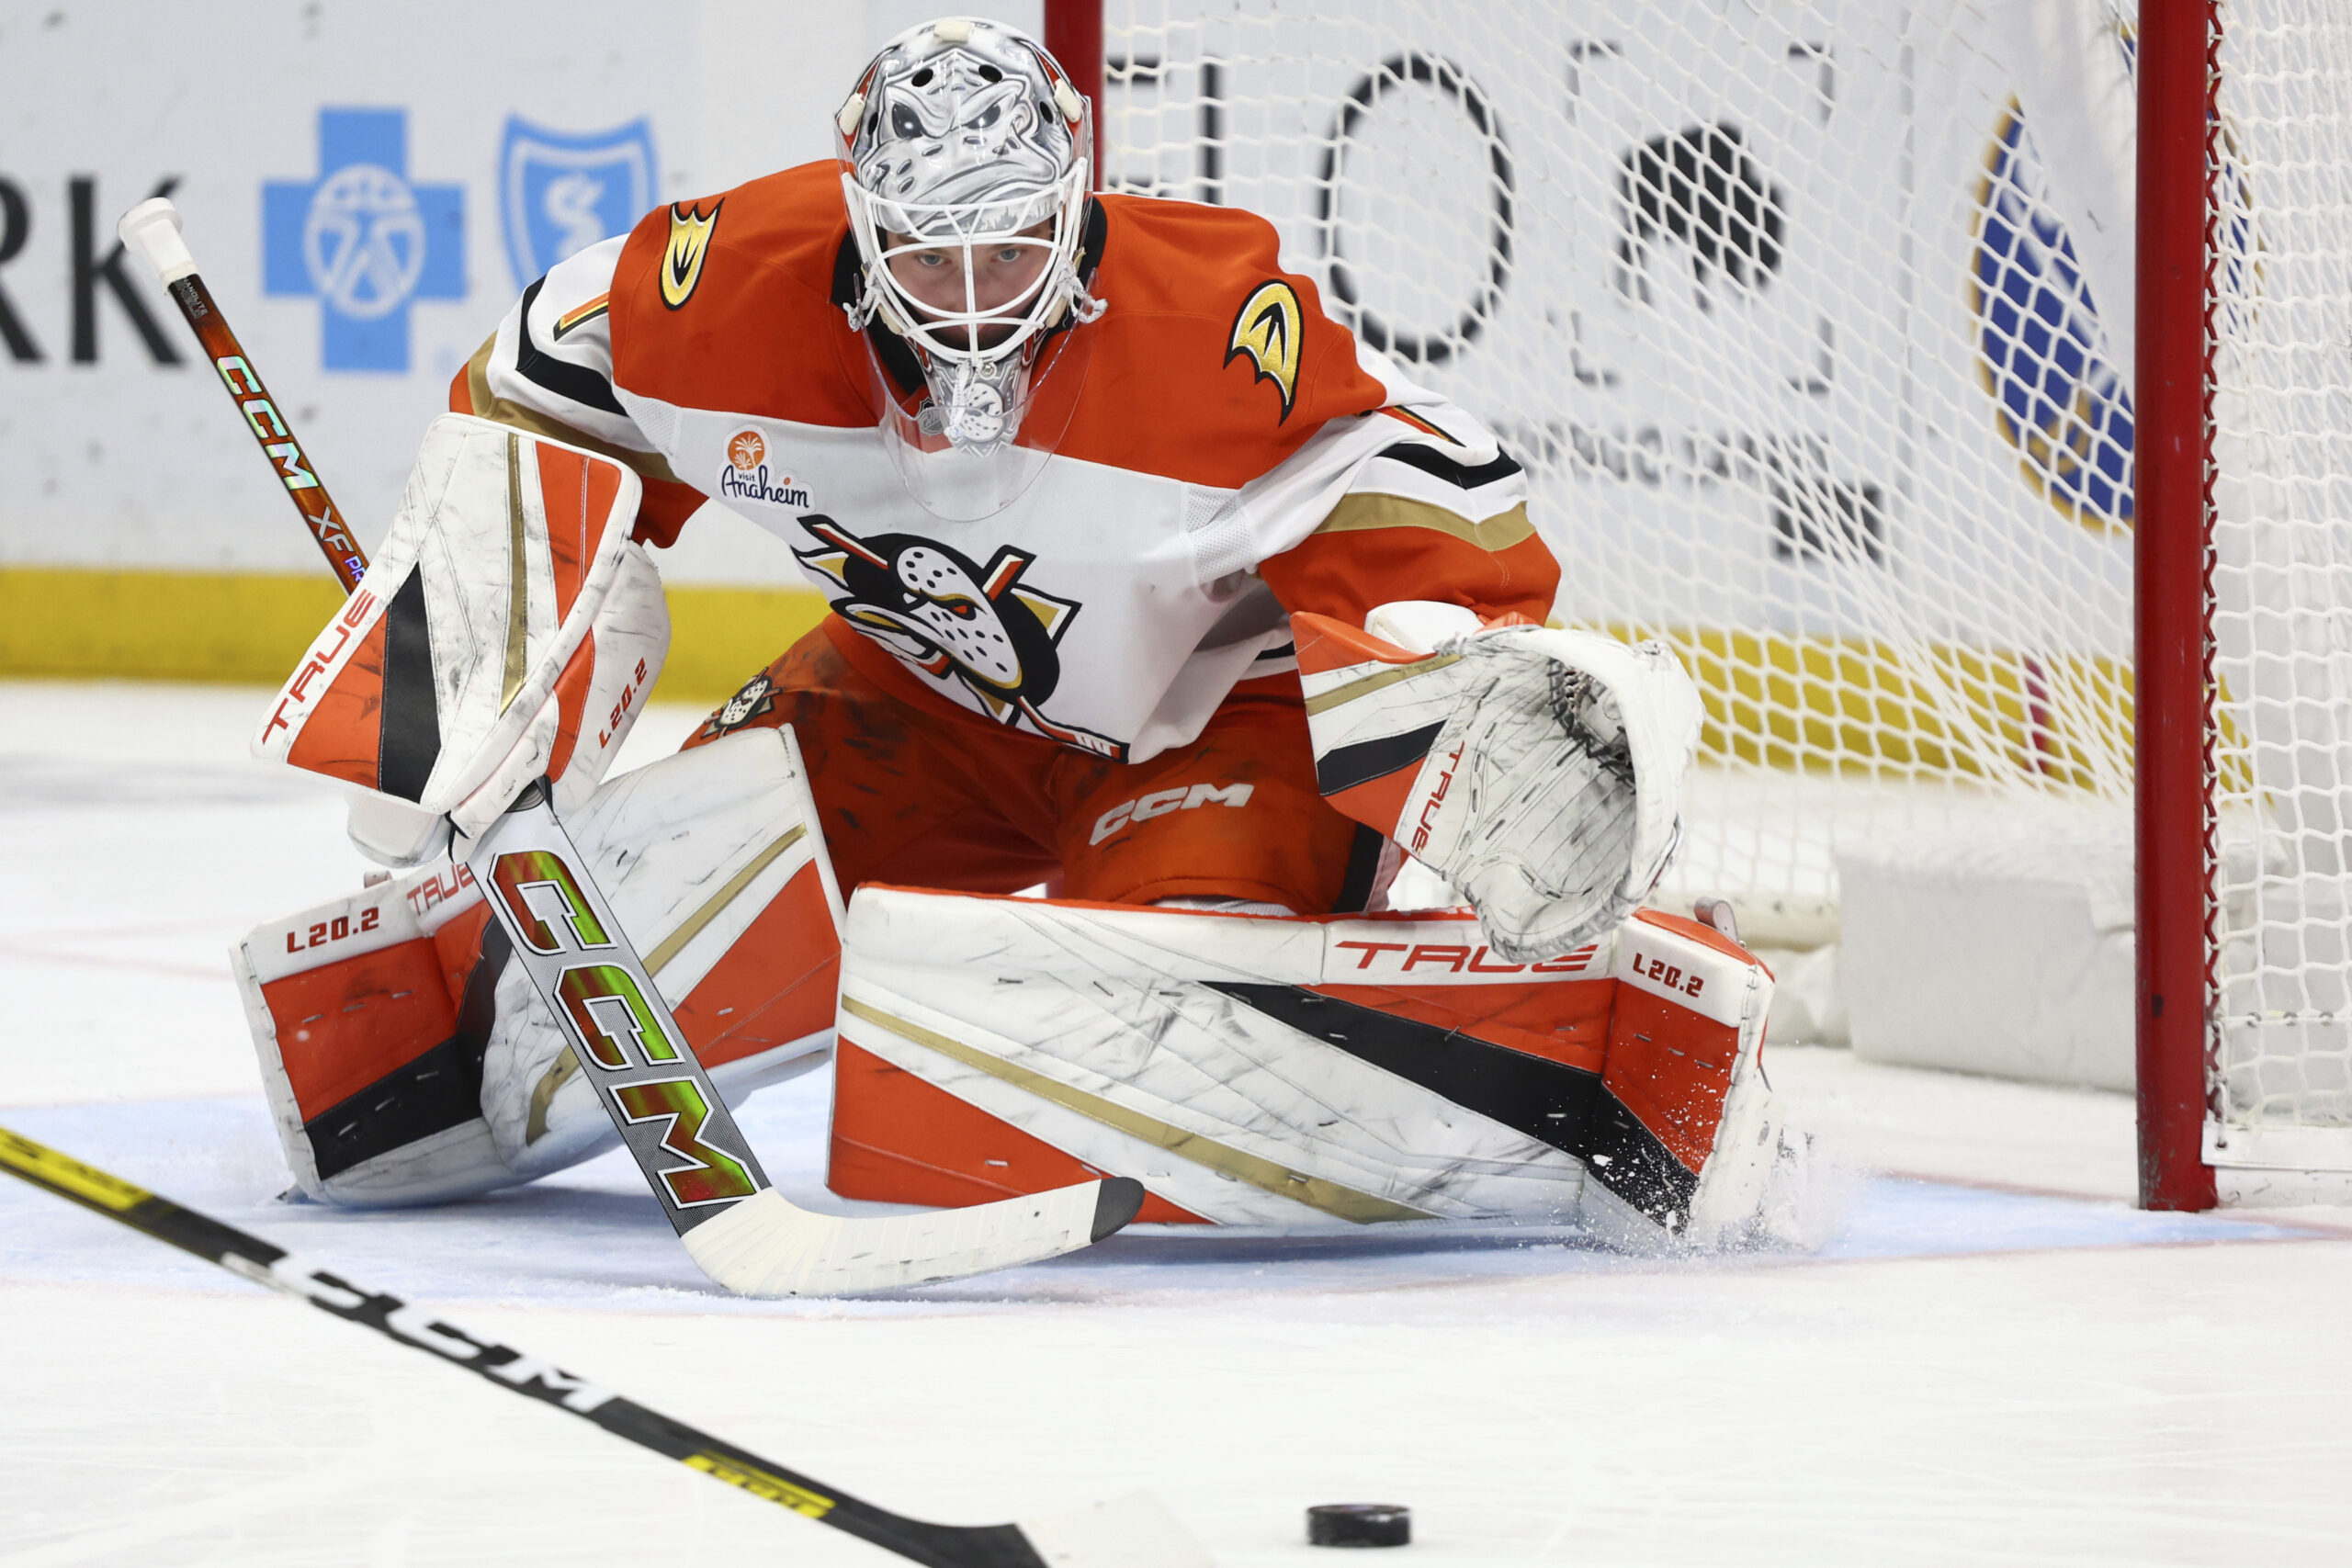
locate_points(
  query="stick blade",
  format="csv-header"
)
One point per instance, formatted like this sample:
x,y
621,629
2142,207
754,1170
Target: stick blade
x,y
1134,1531
765,1246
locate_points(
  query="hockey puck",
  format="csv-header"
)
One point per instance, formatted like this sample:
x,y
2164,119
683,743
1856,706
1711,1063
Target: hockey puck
x,y
1359,1523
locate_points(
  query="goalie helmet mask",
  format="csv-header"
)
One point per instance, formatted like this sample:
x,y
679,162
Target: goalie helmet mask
x,y
966,161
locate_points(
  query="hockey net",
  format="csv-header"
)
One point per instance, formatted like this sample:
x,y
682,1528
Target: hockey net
x,y
1813,325
2280,595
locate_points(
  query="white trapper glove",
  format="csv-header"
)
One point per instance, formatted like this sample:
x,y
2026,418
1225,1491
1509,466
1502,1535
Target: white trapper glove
x,y
1539,772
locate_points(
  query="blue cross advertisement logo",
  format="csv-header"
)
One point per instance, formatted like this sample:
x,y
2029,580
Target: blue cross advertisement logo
x,y
364,240
559,192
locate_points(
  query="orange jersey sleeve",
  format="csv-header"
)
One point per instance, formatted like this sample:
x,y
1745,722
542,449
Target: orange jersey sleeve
x,y
1438,514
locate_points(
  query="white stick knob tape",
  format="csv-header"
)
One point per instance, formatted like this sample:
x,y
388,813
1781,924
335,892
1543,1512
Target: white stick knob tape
x,y
151,229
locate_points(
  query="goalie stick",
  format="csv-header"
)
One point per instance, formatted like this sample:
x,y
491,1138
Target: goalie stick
x,y
735,1226
1131,1532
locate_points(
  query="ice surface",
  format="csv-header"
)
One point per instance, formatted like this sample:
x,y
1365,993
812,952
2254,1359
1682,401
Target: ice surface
x,y
1993,1357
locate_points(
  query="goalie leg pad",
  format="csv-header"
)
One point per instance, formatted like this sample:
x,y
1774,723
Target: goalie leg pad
x,y
1693,1124
406,1061
1296,1072
369,1016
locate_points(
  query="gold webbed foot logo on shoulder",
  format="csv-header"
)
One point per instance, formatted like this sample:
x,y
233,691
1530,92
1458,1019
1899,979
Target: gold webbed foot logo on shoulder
x,y
690,231
1266,328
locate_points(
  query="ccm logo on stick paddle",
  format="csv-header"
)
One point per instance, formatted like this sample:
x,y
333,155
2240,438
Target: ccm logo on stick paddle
x,y
614,1028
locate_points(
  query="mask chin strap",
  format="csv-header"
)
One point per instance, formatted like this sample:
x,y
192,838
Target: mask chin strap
x,y
873,304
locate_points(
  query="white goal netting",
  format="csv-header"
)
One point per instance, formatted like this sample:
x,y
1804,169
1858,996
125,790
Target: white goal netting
x,y
2281,587
1813,325
1812,366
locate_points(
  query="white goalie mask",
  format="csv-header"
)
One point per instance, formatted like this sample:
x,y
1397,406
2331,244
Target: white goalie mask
x,y
966,161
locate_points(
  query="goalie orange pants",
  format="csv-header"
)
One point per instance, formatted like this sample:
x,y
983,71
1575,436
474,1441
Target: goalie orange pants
x,y
914,791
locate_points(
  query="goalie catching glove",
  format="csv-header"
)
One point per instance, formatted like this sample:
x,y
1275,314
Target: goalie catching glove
x,y
508,629
1539,772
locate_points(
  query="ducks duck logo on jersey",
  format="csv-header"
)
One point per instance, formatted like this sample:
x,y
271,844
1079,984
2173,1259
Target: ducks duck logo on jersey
x,y
754,699
952,618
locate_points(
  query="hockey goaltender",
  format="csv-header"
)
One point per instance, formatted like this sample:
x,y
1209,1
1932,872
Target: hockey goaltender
x,y
1149,583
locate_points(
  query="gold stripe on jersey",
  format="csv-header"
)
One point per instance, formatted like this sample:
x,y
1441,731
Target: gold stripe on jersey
x,y
1358,512
648,465
580,315
1409,417
1364,686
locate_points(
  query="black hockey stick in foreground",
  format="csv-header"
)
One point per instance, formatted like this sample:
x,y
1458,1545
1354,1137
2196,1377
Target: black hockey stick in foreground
x,y
735,1226
1133,1532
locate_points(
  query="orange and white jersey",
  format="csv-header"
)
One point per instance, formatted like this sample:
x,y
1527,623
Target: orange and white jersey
x,y
1230,453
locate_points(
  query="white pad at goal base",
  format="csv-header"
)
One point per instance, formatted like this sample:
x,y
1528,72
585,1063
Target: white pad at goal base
x,y
2006,952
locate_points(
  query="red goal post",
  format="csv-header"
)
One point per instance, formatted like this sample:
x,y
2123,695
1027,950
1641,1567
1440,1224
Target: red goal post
x,y
2173,456
1951,385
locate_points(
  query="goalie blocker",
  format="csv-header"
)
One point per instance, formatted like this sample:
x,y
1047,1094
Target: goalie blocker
x,y
1293,1072
509,629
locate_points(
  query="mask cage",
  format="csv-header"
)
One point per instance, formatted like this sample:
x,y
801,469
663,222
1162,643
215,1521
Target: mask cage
x,y
963,229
